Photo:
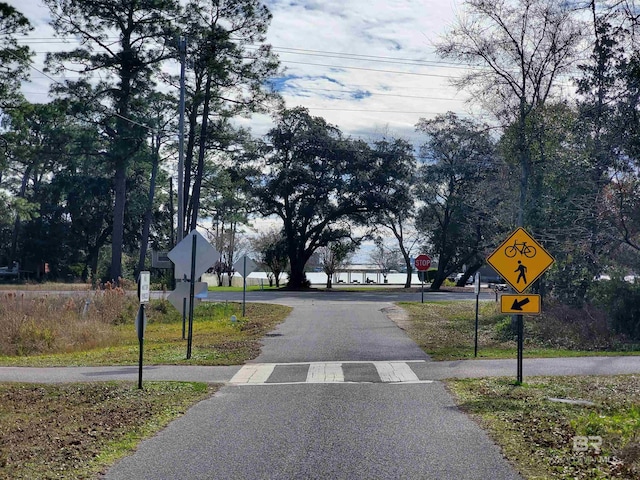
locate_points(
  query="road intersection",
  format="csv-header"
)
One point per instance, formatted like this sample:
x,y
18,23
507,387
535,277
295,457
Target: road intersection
x,y
339,391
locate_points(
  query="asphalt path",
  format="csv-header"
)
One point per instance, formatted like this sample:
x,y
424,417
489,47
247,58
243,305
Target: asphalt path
x,y
329,429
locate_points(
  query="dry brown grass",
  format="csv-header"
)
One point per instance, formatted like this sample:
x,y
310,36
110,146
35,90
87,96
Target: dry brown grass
x,y
35,325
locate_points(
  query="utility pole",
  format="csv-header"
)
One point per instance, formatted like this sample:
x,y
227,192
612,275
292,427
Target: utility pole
x,y
183,54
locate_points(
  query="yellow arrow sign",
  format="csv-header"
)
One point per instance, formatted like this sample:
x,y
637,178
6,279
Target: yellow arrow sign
x,y
520,260
520,304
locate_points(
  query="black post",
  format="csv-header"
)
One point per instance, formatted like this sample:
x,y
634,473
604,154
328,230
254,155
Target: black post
x,y
244,286
520,347
475,349
422,290
184,318
140,321
191,294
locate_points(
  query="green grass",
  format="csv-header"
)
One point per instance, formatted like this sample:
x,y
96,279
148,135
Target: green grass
x,y
216,339
446,331
74,431
538,435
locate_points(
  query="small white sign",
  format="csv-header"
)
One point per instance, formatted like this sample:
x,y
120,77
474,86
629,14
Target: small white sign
x,y
145,287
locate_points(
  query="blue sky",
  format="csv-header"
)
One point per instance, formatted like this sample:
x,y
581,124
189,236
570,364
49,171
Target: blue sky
x,y
367,66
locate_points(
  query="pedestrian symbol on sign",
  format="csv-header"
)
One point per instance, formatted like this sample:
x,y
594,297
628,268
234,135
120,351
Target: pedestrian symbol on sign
x,y
522,272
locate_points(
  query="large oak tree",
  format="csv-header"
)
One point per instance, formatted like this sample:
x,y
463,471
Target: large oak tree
x,y
319,183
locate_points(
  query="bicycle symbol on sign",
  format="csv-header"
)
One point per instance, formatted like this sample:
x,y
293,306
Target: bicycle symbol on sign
x,y
522,248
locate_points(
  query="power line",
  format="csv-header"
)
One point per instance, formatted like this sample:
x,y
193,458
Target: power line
x,y
389,111
299,51
115,114
371,69
376,58
377,94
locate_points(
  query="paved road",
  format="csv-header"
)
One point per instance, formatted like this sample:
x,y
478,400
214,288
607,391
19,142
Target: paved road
x,y
338,295
423,370
333,395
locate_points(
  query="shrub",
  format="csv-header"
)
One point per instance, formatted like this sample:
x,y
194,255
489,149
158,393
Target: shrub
x,y
563,326
622,302
35,325
505,330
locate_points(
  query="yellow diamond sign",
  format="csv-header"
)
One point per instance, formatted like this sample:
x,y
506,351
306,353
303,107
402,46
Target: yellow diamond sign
x,y
520,260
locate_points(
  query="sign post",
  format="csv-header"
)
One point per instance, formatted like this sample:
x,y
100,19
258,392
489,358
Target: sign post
x,y
422,263
191,257
244,266
144,283
476,289
520,260
192,281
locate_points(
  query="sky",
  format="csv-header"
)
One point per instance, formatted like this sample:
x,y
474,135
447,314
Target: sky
x,y
366,66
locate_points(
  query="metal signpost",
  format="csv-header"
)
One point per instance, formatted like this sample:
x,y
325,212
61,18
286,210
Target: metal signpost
x,y
144,283
194,254
422,264
520,260
180,299
244,266
476,289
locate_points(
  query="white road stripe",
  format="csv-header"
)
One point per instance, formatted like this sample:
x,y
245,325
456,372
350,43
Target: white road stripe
x,y
253,373
395,372
325,373
270,384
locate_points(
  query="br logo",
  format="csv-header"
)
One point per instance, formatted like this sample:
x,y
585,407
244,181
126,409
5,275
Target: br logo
x,y
584,444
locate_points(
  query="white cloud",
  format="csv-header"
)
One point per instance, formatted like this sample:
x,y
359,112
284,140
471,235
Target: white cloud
x,y
346,84
359,63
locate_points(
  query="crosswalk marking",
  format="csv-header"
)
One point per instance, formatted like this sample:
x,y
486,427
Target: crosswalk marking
x,y
395,372
389,372
254,373
325,373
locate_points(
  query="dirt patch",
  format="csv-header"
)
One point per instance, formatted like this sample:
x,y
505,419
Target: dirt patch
x,y
398,315
74,430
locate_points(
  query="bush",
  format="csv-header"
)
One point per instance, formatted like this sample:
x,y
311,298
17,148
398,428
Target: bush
x,y
622,302
563,326
571,278
35,325
505,330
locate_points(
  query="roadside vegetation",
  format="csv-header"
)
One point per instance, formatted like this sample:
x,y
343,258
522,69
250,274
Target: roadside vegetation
x,y
98,329
445,330
75,431
597,437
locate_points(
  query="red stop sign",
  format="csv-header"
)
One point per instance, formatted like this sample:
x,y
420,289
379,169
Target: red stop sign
x,y
423,262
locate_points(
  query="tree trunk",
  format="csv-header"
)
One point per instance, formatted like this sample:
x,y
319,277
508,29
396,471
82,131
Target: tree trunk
x,y
188,157
407,262
117,236
297,277
16,226
328,280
